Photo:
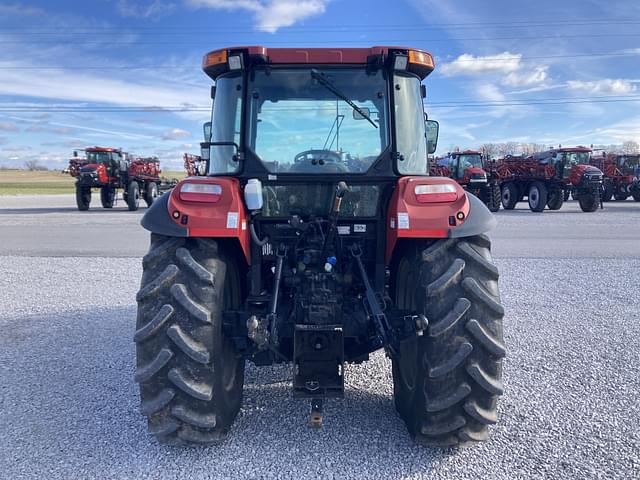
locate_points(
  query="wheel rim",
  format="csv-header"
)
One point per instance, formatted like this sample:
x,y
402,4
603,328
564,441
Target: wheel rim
x,y
534,197
506,195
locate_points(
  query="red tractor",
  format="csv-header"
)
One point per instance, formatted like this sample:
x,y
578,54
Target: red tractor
x,y
621,175
470,169
288,252
545,178
110,169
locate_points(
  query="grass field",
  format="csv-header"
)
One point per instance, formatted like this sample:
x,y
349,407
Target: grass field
x,y
24,182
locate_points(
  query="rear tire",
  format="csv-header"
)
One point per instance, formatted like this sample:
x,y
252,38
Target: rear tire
x,y
636,195
133,196
494,197
447,381
607,192
537,196
107,197
621,193
555,200
151,193
83,198
510,195
190,375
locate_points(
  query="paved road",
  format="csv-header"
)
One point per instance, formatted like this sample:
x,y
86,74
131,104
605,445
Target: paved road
x,y
69,407
27,220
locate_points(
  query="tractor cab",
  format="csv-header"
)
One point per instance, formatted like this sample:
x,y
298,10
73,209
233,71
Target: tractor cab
x,y
467,165
355,117
104,164
629,164
567,160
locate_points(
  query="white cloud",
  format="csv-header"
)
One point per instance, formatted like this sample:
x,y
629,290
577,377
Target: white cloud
x,y
175,134
269,15
513,72
468,64
155,9
605,86
526,78
74,86
490,93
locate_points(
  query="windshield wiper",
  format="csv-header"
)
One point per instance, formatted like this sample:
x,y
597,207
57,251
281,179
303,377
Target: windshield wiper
x,y
326,83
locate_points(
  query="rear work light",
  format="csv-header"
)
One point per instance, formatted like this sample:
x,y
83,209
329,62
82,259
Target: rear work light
x,y
200,192
235,62
443,192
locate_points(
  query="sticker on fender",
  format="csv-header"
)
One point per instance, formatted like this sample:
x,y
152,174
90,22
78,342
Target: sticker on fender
x,y
403,221
232,220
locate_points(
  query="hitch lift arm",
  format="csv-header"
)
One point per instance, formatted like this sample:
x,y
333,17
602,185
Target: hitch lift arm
x,y
384,333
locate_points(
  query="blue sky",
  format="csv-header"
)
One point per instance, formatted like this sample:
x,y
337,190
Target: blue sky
x,y
563,71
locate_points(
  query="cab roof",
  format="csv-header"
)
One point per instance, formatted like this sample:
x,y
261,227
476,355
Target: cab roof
x,y
419,62
103,149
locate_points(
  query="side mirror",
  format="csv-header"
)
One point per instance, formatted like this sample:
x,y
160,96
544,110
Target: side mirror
x,y
432,128
358,116
206,128
205,151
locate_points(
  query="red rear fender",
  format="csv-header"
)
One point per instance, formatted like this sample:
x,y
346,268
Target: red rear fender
x,y
210,215
413,217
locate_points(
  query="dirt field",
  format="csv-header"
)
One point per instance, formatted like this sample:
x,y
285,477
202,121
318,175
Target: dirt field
x,y
25,182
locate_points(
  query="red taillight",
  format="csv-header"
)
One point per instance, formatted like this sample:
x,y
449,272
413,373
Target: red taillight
x,y
200,192
436,193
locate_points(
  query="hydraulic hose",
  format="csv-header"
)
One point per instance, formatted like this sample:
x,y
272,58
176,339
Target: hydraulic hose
x,y
254,236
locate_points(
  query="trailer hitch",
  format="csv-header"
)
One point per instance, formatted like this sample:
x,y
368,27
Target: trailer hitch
x,y
316,416
385,336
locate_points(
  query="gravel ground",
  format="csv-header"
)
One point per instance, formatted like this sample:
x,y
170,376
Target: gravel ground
x,y
69,407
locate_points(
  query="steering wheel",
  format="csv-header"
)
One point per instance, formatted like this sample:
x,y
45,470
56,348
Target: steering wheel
x,y
310,160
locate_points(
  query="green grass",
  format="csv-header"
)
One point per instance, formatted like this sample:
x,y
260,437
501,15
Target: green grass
x,y
24,182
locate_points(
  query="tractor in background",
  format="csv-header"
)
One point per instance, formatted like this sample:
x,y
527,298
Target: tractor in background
x,y
473,172
545,178
194,165
291,250
110,169
621,175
